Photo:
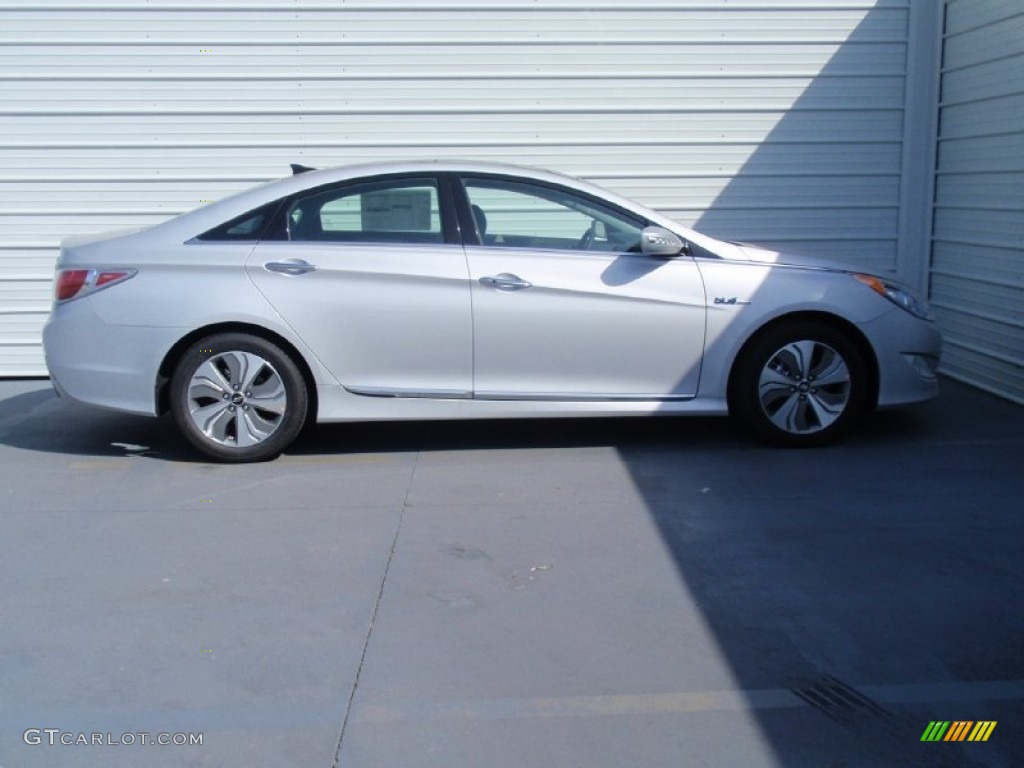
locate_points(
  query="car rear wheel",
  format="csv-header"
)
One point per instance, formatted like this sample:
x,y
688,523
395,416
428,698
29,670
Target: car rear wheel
x,y
238,397
800,384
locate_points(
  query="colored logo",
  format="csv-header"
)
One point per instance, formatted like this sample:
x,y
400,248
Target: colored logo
x,y
958,730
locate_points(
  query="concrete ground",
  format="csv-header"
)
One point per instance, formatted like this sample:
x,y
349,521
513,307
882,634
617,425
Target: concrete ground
x,y
593,593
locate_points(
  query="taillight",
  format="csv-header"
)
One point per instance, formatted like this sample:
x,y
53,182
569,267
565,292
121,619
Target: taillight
x,y
75,283
70,282
108,277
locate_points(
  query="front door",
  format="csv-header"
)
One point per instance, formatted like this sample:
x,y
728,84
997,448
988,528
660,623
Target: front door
x,y
565,306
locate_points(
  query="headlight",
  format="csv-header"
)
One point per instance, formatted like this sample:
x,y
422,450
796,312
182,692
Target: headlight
x,y
899,295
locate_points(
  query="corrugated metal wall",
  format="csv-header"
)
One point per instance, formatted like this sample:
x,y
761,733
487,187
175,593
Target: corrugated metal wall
x,y
772,121
977,281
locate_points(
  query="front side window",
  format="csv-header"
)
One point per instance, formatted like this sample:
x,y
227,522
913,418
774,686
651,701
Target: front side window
x,y
514,214
391,211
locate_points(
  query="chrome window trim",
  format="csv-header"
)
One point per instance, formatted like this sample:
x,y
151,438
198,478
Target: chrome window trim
x,y
579,397
435,394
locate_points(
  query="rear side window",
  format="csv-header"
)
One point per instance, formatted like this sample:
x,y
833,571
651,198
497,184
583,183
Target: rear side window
x,y
248,226
390,211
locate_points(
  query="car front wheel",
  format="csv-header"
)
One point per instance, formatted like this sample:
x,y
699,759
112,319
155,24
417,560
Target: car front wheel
x,y
238,397
800,384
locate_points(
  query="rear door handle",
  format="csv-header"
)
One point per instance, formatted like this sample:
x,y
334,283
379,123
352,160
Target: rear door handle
x,y
505,282
290,267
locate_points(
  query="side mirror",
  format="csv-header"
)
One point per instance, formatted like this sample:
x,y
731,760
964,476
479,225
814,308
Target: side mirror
x,y
656,241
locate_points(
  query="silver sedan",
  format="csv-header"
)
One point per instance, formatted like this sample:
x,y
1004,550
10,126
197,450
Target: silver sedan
x,y
468,290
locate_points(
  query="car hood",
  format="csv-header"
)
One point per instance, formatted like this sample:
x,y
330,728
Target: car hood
x,y
781,258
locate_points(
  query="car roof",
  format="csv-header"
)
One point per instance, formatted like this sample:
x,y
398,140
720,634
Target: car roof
x,y
315,177
194,223
441,165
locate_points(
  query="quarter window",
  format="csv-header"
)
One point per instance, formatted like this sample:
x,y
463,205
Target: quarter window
x,y
247,227
395,211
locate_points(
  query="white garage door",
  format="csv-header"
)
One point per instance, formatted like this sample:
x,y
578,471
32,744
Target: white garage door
x,y
978,252
775,122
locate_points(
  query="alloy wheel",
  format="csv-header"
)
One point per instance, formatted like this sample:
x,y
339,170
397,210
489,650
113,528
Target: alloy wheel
x,y
804,387
237,399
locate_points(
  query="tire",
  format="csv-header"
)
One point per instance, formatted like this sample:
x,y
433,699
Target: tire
x,y
799,384
238,397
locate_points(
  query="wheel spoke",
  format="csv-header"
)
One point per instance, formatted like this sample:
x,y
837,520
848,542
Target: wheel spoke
x,y
773,379
204,390
833,372
774,385
824,411
257,424
213,420
253,368
786,415
209,378
235,364
274,400
249,433
803,353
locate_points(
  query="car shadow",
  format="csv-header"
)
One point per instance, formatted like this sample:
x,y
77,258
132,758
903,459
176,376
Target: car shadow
x,y
38,420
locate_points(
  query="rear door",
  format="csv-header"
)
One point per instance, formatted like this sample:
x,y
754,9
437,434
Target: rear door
x,y
371,275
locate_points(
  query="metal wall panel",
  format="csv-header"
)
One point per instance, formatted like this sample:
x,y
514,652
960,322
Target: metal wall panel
x,y
774,121
977,274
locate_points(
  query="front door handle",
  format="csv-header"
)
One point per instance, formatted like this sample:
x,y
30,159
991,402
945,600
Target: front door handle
x,y
505,282
290,267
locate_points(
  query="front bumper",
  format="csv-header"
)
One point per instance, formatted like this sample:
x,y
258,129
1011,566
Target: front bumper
x,y
908,350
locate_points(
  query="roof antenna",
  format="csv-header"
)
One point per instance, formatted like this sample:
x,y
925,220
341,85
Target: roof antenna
x,y
297,169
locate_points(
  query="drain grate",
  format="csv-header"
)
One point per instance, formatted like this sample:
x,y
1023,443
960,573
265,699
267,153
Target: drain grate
x,y
847,706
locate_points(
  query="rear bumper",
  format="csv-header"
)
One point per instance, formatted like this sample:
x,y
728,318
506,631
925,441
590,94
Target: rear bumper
x,y
110,366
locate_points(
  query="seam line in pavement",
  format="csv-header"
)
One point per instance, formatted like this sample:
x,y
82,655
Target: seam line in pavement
x,y
373,616
678,703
